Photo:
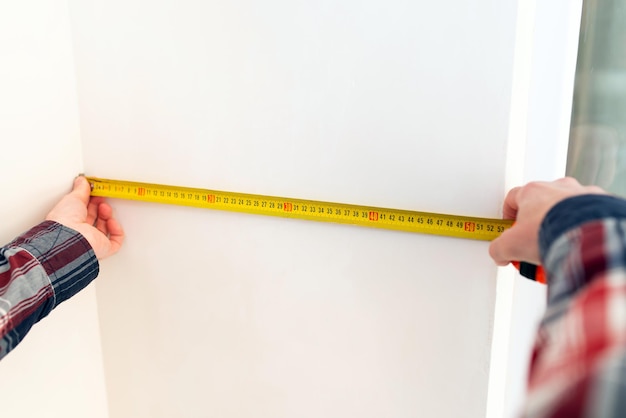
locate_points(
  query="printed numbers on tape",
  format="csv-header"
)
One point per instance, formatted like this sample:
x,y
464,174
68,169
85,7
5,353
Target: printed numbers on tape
x,y
484,229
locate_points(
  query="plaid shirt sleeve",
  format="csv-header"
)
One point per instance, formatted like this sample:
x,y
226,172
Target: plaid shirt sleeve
x,y
578,367
38,270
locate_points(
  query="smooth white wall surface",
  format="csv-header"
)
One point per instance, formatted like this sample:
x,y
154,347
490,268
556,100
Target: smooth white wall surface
x,y
274,317
396,103
57,370
514,166
554,52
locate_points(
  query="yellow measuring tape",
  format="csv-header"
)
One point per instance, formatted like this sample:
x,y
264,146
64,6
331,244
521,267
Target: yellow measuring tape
x,y
484,229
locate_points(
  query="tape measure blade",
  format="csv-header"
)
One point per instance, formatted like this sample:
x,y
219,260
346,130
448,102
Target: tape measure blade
x,y
368,216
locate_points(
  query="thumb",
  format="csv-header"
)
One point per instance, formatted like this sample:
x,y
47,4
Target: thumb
x,y
81,189
515,244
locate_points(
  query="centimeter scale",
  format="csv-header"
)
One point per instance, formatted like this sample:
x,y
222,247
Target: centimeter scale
x,y
483,229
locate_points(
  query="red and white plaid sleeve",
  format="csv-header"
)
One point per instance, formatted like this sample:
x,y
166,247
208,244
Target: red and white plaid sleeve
x,y
578,367
38,270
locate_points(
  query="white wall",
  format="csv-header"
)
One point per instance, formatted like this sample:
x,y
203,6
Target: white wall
x,y
552,71
57,370
217,314
401,103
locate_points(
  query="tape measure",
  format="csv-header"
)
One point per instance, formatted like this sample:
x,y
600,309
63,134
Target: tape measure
x,y
484,229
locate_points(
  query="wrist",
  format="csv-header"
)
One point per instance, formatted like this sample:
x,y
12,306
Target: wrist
x,y
574,211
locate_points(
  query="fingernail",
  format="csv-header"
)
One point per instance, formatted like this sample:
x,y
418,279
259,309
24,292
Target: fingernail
x,y
78,180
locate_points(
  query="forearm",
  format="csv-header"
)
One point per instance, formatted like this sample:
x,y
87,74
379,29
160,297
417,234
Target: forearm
x,y
581,238
581,338
39,270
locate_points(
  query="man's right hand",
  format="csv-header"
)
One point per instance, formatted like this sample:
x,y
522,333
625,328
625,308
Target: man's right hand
x,y
528,205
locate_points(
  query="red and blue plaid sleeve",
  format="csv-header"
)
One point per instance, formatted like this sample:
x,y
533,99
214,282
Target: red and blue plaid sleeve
x,y
40,269
578,367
